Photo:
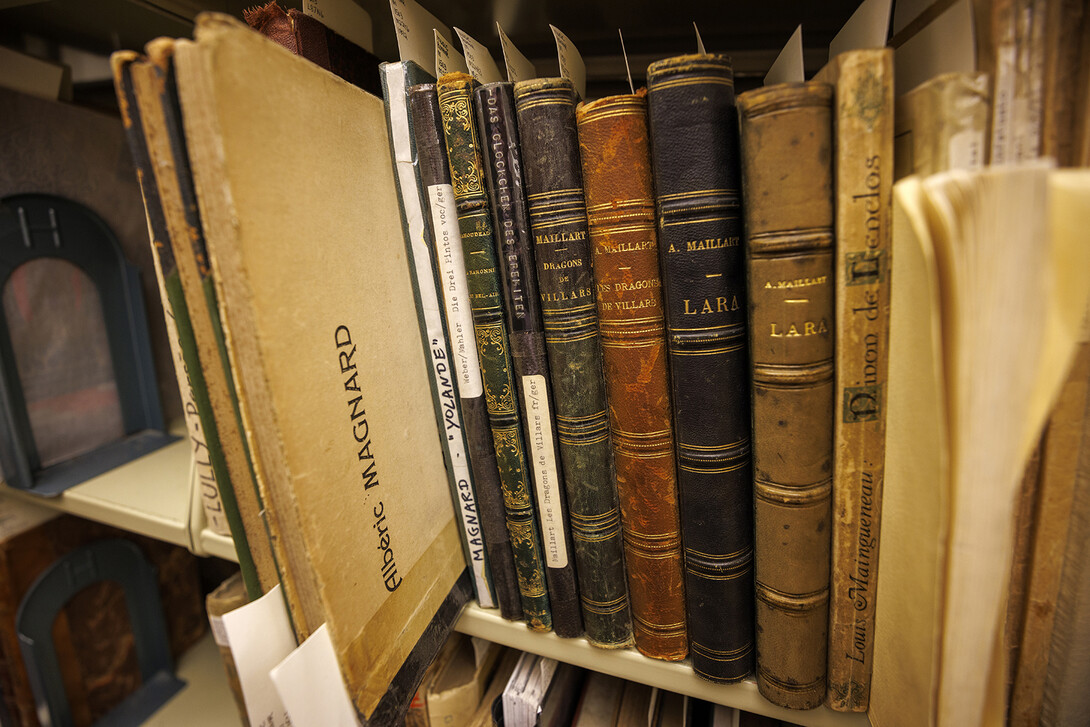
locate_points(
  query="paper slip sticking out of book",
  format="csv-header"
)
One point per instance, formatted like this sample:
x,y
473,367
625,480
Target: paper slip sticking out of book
x,y
788,66
414,26
309,683
260,636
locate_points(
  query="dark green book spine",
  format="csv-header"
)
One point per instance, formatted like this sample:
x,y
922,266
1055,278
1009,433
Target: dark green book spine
x,y
493,347
553,182
180,312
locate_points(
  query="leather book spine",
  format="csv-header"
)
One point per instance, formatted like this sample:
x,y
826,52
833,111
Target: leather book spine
x,y
446,258
694,161
494,106
613,144
863,150
493,347
558,221
786,142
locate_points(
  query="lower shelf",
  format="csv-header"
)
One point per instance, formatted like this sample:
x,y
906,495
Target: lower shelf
x,y
630,664
206,699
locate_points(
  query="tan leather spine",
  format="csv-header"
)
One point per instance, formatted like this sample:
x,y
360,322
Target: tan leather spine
x,y
786,142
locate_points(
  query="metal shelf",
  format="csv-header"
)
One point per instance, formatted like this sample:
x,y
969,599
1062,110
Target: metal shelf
x,y
630,664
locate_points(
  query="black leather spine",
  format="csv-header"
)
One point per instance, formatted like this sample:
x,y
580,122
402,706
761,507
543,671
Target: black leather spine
x,y
434,170
553,181
494,107
695,165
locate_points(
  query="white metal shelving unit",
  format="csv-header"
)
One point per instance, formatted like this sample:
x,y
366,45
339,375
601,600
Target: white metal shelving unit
x,y
630,664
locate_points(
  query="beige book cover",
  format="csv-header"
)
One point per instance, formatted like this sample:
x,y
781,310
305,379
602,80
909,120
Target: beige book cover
x,y
972,380
301,218
942,124
863,161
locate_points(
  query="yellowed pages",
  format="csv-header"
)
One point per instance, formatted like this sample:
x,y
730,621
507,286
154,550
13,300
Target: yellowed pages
x,y
915,497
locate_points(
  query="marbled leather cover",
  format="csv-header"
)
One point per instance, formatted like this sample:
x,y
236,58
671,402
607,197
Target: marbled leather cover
x,y
621,212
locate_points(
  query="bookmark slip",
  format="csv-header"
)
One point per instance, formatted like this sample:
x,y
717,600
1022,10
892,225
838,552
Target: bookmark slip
x,y
478,59
447,60
309,683
519,68
343,17
788,66
571,63
414,26
260,636
868,27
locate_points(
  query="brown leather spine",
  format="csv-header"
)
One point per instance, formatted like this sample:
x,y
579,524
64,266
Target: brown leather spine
x,y
616,163
786,142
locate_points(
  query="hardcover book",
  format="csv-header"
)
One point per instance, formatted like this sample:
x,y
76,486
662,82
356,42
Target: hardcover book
x,y
166,275
698,193
148,98
553,181
494,107
616,162
787,176
863,170
441,226
493,346
335,398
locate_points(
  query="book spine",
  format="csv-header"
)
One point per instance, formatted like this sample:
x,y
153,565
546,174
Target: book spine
x,y
786,142
179,325
864,212
493,346
558,220
427,126
494,105
613,145
694,160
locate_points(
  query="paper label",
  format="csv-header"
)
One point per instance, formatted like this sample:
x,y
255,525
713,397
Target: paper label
x,y
310,684
345,18
460,327
447,60
966,150
219,631
478,59
571,63
438,352
868,27
519,67
788,66
542,455
414,25
699,44
452,280
260,636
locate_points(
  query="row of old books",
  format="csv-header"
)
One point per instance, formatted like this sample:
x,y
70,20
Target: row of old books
x,y
625,276
514,230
